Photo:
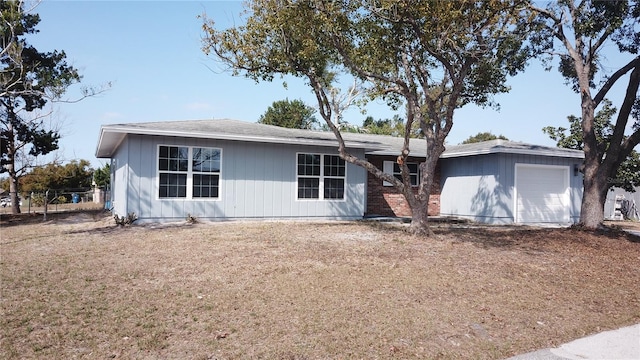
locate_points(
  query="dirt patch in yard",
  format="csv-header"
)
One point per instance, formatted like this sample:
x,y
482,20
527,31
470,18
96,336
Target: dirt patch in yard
x,y
626,224
78,286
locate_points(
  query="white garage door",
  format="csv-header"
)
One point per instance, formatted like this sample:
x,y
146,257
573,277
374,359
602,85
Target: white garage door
x,y
542,194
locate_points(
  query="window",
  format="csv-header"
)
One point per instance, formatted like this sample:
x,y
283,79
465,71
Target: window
x,y
173,164
391,167
206,172
308,176
334,172
320,176
185,172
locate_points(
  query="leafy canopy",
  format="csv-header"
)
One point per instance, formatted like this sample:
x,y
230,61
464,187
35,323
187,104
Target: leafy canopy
x,y
628,174
74,175
584,28
441,54
29,79
393,127
290,114
430,56
483,136
102,176
581,34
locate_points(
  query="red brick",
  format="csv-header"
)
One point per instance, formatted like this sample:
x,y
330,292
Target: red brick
x,y
387,201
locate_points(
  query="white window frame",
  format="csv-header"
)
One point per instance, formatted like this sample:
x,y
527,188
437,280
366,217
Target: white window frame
x,y
321,178
190,173
388,168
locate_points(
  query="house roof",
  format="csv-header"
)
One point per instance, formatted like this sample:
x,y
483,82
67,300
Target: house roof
x,y
226,129
511,147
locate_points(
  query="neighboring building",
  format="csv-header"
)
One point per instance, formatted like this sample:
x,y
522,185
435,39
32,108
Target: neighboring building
x,y
633,198
229,169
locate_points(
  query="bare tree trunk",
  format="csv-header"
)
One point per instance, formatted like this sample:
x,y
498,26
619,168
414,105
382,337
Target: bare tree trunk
x,y
592,208
13,192
46,205
419,202
593,199
11,170
420,218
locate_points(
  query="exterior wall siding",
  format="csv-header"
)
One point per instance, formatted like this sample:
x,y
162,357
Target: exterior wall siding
x,y
257,180
481,187
387,201
120,174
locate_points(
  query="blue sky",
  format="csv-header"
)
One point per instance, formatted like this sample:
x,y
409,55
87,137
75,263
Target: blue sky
x,y
151,53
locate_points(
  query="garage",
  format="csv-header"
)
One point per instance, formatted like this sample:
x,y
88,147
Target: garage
x,y
542,194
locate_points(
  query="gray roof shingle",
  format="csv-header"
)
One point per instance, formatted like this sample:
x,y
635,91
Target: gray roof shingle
x,y
112,135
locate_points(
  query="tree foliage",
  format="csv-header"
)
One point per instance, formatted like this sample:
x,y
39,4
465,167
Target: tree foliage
x,y
102,176
290,114
578,33
628,174
483,136
29,80
393,127
73,176
431,57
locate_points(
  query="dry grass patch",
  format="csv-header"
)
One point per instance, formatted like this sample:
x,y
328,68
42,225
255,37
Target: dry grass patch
x,y
80,287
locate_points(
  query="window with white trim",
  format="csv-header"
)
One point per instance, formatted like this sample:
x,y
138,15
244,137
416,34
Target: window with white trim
x,y
188,172
206,172
392,167
320,176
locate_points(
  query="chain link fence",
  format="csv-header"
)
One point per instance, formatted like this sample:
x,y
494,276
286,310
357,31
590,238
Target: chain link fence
x,y
55,200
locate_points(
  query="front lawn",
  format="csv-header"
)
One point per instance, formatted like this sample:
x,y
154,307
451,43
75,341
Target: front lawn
x,y
78,286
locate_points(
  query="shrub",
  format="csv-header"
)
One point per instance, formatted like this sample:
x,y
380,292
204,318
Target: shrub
x,y
191,219
123,221
37,200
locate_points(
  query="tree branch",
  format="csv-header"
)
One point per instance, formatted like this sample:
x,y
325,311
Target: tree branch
x,y
326,113
619,149
613,78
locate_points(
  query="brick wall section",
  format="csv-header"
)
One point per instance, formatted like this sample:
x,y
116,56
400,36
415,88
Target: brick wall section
x,y
387,201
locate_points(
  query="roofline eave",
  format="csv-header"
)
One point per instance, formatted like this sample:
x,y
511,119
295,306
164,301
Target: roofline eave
x,y
568,154
124,131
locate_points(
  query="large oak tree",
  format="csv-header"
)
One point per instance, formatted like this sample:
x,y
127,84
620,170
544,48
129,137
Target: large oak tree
x,y
579,32
431,57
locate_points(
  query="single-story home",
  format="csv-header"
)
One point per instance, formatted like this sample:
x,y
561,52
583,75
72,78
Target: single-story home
x,y
229,169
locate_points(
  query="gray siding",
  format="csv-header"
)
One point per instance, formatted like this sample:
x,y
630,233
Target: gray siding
x,y
256,181
481,187
120,177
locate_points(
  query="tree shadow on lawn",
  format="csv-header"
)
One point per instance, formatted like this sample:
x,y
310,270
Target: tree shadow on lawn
x,y
533,239
529,238
53,217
